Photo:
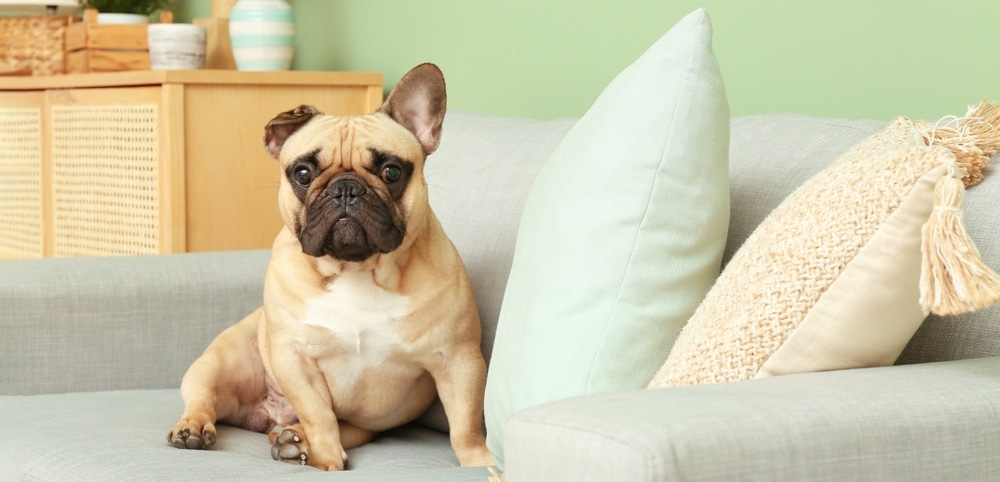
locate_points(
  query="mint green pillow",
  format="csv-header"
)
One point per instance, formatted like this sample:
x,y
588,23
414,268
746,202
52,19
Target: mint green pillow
x,y
622,234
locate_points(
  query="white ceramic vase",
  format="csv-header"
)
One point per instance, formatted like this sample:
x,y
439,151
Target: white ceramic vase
x,y
262,34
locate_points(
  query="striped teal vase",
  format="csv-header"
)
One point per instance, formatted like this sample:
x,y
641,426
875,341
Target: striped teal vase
x,y
262,34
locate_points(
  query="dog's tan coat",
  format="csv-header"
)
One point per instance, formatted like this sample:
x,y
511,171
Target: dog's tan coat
x,y
355,347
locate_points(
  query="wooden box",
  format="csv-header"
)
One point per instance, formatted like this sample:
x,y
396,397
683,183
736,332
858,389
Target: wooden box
x,y
94,47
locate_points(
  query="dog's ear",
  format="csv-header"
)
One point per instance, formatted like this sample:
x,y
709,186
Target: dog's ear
x,y
285,124
418,102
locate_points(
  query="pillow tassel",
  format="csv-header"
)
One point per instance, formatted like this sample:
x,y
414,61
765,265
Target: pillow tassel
x,y
974,139
954,279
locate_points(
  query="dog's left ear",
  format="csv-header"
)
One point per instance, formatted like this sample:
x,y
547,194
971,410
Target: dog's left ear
x,y
284,125
418,102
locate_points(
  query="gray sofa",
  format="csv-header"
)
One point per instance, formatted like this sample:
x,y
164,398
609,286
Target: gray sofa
x,y
92,351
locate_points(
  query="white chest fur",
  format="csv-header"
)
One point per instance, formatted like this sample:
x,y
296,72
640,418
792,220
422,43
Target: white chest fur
x,y
362,346
363,319
362,315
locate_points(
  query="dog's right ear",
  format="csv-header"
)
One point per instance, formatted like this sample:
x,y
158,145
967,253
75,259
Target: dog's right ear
x,y
284,125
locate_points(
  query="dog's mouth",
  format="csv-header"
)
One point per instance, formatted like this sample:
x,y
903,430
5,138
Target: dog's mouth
x,y
350,228
348,241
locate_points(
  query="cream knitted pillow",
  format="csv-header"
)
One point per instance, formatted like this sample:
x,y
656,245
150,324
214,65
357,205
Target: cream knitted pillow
x,y
840,275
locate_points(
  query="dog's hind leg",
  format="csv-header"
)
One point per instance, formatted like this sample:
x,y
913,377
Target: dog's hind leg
x,y
225,384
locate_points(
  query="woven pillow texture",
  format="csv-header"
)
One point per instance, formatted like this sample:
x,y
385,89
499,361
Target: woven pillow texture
x,y
633,203
843,272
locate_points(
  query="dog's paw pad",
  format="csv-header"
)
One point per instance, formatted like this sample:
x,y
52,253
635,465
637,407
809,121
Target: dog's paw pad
x,y
185,439
288,447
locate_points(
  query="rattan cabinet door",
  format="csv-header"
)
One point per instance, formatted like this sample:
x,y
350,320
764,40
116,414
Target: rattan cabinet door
x,y
21,165
105,171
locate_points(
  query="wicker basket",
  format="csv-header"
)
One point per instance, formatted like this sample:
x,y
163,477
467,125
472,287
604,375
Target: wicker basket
x,y
33,45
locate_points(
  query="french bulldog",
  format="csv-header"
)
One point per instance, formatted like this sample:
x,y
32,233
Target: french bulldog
x,y
368,314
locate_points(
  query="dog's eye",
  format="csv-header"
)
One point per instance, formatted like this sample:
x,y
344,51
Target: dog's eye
x,y
303,176
391,174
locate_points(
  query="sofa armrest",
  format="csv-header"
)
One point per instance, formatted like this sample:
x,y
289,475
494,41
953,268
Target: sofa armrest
x,y
938,421
111,323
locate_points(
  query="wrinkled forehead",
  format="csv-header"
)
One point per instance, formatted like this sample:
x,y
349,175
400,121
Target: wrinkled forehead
x,y
349,141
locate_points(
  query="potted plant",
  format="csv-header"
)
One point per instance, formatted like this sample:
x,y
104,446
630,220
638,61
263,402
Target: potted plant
x,y
125,11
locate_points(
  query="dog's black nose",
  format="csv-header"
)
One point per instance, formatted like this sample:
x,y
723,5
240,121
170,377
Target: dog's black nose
x,y
347,191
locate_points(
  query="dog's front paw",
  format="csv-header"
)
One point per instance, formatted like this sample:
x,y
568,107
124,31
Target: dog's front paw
x,y
290,445
189,434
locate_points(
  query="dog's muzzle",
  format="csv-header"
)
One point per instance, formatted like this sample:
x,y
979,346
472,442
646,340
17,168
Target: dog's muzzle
x,y
349,222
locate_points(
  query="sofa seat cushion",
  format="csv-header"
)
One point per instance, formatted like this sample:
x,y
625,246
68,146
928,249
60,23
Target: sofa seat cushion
x,y
927,422
120,435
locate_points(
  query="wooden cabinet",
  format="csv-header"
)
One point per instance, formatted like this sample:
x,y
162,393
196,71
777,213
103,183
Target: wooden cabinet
x,y
152,161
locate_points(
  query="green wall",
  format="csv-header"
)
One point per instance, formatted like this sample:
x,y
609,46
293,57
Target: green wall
x,y
544,59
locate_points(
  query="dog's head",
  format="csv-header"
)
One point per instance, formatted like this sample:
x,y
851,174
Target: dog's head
x,y
352,187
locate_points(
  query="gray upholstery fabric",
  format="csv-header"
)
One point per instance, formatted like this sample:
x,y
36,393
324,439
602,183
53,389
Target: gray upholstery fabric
x,y
976,334
772,155
75,324
120,332
913,423
478,181
121,435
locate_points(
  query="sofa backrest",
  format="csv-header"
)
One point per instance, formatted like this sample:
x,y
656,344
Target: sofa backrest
x,y
478,181
120,322
480,177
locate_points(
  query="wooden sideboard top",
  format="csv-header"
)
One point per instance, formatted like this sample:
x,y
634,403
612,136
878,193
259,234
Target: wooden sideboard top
x,y
158,77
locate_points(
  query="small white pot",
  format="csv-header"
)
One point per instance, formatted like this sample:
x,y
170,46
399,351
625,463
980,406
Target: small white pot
x,y
176,46
122,18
